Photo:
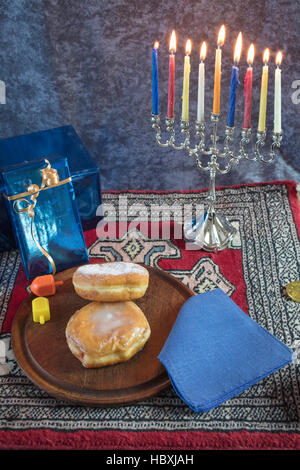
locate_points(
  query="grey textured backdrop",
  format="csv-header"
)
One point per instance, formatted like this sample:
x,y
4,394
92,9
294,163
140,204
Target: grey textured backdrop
x,y
88,63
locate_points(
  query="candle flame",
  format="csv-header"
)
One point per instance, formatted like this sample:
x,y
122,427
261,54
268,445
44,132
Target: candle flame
x,y
250,57
238,48
266,56
188,47
156,45
203,50
278,58
221,36
173,42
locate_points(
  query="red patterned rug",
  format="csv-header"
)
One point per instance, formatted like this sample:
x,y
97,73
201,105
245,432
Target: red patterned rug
x,y
263,257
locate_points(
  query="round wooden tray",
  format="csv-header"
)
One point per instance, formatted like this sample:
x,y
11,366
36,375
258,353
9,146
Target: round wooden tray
x,y
44,356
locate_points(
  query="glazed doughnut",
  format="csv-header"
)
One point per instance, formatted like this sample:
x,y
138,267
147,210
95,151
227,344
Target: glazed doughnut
x,y
111,282
102,334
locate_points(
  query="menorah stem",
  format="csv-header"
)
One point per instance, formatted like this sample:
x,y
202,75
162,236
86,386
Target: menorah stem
x,y
213,231
211,198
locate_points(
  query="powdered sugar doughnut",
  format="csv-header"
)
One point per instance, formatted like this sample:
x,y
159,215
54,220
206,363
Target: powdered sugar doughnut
x,y
111,282
101,334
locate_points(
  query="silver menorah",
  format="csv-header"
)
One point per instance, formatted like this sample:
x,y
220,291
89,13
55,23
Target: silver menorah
x,y
213,231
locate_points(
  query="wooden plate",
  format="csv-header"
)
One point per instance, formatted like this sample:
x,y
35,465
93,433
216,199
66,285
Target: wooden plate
x,y
44,356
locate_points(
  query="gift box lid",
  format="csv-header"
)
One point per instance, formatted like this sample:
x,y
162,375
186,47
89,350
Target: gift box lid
x,y
58,141
16,178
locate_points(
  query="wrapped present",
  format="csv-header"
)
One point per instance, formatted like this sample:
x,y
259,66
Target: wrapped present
x,y
62,141
40,199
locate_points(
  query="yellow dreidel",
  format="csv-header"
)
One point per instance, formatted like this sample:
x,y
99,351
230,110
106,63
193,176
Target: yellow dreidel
x,y
40,310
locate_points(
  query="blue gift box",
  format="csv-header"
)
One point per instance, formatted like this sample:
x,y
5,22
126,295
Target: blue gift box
x,y
62,141
41,202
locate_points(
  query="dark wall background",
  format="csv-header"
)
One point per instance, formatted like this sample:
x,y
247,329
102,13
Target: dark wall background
x,y
88,63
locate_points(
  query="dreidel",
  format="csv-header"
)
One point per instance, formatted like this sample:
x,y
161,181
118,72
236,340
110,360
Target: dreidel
x,y
44,285
40,310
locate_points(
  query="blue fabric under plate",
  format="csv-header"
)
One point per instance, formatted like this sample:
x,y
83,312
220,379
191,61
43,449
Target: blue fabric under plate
x,y
215,351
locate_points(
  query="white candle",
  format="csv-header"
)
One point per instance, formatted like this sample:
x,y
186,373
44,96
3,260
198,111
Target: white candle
x,y
201,84
277,95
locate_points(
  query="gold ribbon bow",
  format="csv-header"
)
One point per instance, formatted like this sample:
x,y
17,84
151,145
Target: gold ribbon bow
x,y
50,179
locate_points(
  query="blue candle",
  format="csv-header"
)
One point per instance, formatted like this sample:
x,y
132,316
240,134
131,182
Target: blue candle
x,y
155,101
234,80
234,85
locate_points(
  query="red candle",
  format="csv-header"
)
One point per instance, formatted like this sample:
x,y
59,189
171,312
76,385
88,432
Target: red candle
x,y
248,89
171,88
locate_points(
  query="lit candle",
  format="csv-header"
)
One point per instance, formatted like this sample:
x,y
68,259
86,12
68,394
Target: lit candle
x,y
155,101
234,80
218,62
186,82
248,88
277,94
171,88
263,93
201,83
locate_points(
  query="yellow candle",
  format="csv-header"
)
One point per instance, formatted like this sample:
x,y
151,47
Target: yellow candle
x,y
186,82
218,64
263,94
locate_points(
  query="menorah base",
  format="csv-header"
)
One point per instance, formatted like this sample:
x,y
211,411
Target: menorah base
x,y
212,232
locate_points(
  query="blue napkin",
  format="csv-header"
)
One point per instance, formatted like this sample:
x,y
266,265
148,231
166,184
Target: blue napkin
x,y
215,351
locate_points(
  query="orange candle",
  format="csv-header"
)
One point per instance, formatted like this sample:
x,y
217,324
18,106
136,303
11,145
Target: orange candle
x,y
218,64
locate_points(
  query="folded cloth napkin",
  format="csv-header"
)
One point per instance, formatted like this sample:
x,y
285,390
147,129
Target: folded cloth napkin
x,y
216,351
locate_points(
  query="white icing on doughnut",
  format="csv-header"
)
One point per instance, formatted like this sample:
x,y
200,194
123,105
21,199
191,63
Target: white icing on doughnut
x,y
113,269
108,319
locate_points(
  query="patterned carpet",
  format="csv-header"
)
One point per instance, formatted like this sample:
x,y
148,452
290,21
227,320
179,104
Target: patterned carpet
x,y
263,257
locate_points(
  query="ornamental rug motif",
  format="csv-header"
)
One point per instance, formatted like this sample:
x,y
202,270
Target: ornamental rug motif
x,y
263,258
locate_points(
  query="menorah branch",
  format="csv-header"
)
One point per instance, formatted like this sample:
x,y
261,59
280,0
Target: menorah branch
x,y
215,149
